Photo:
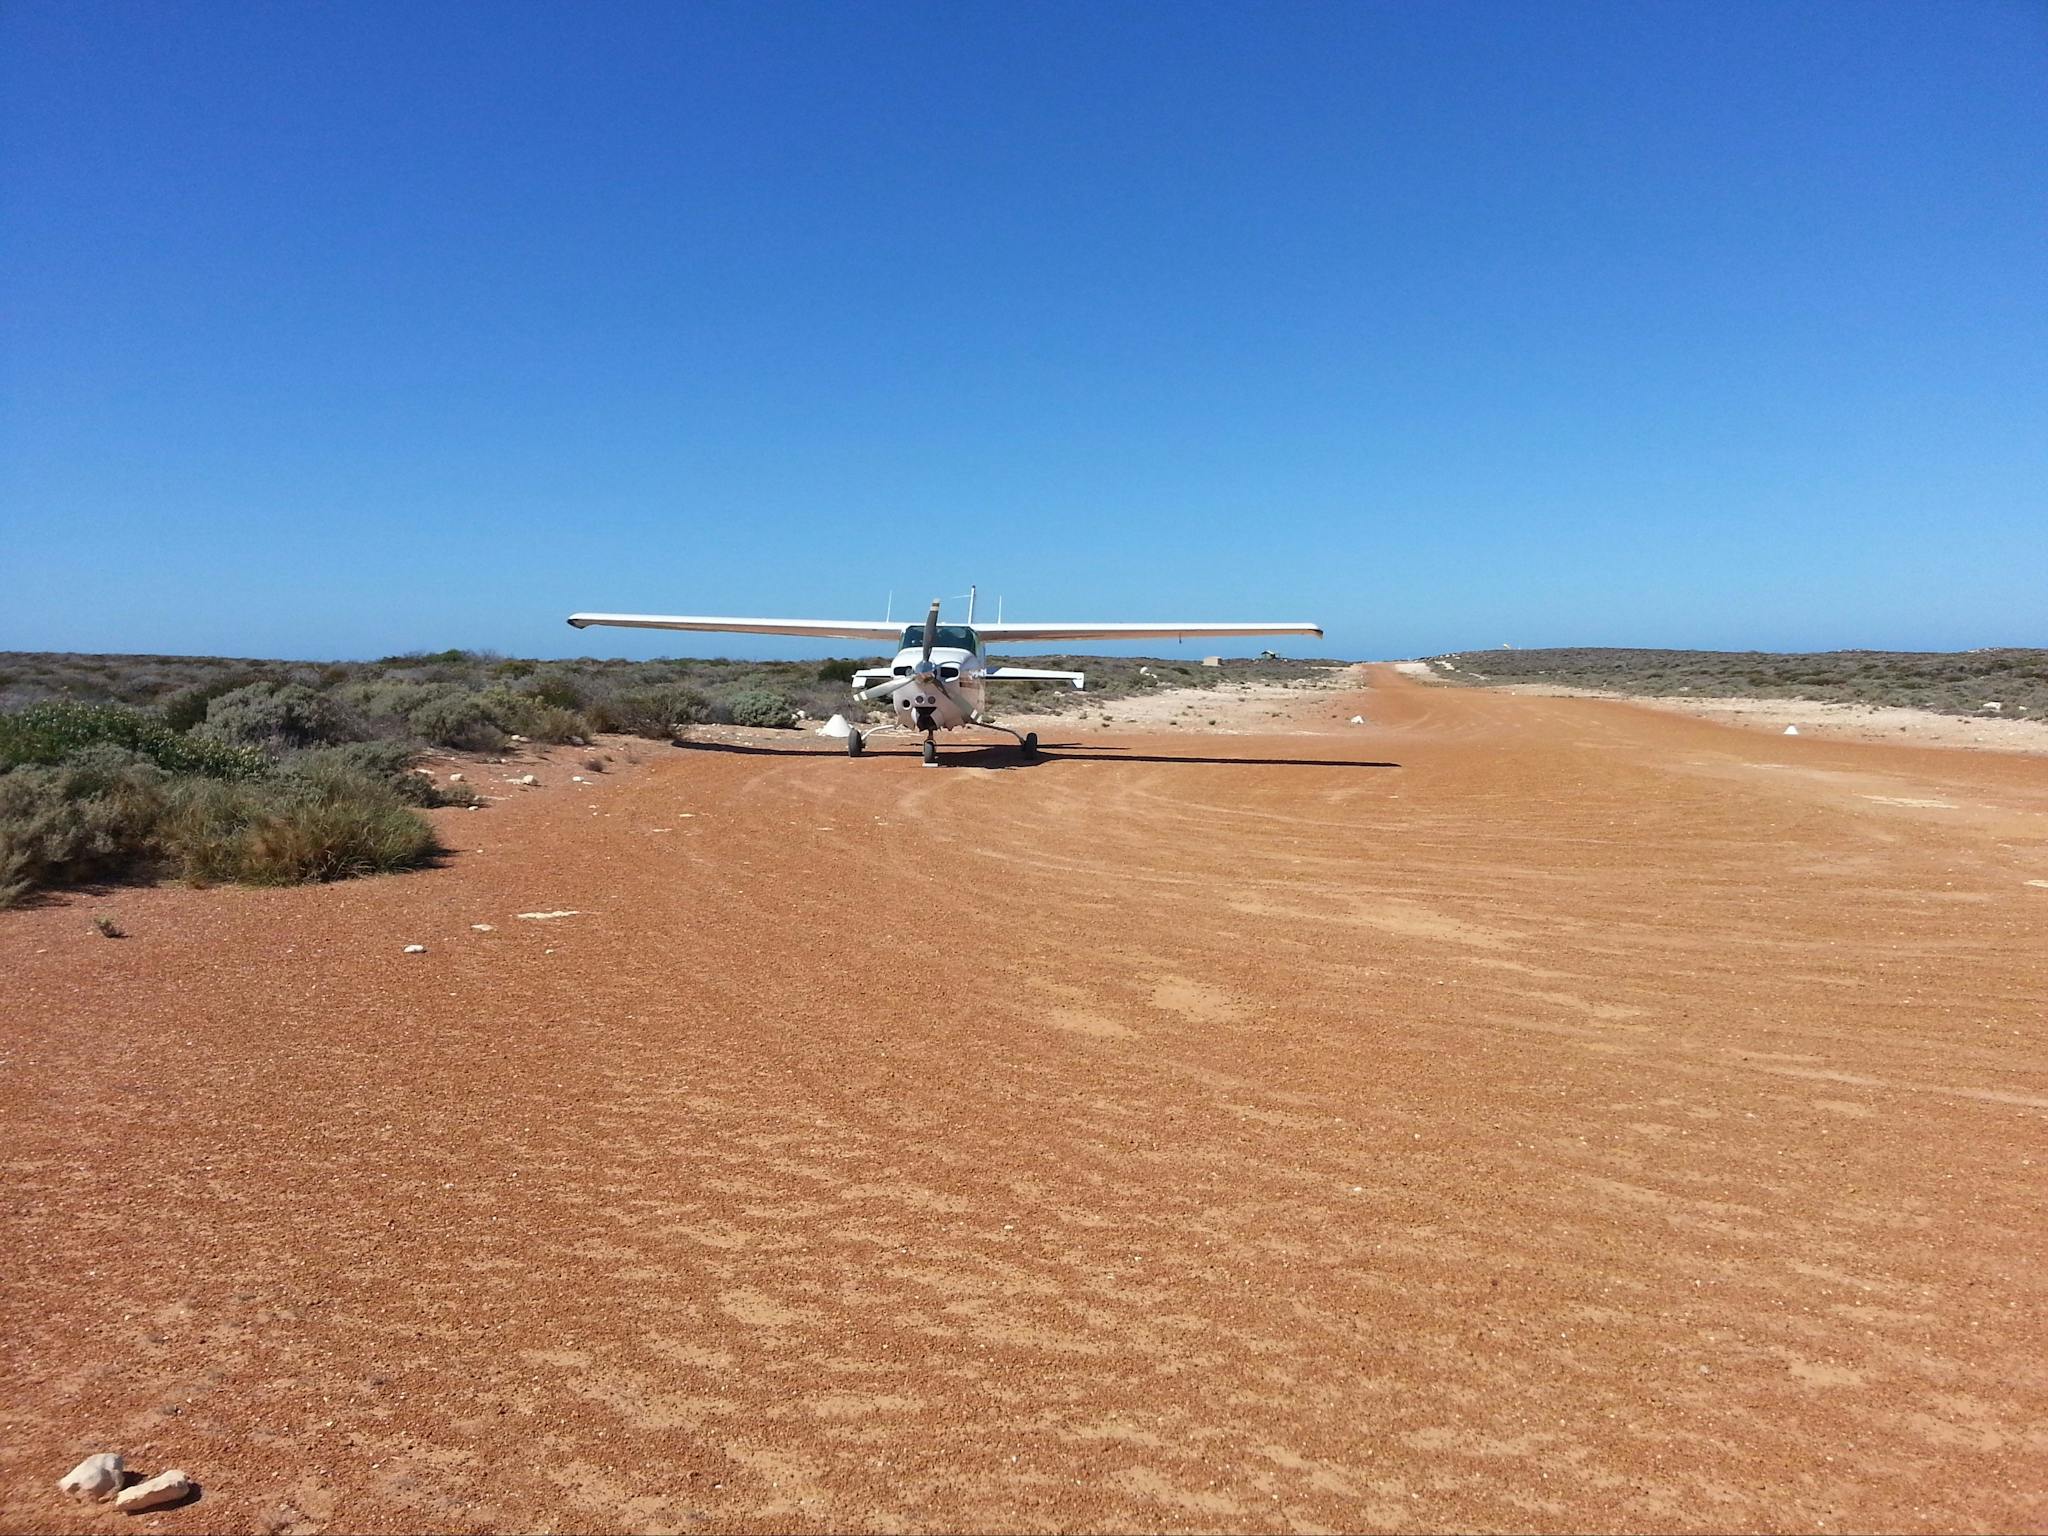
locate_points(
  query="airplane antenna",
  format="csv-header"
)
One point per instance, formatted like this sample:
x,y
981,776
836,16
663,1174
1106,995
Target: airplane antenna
x,y
889,612
970,602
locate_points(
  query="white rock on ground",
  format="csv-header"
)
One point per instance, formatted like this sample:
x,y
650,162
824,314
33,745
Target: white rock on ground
x,y
164,1488
95,1477
528,779
541,917
415,949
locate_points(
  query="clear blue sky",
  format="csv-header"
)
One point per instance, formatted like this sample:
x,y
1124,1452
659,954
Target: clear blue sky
x,y
343,329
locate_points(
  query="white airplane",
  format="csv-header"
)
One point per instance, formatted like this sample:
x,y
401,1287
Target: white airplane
x,y
939,679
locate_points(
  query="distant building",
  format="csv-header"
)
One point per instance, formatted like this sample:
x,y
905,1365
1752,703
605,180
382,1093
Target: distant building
x,y
1212,661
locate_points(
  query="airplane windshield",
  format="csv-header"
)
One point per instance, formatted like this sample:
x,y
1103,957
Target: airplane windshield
x,y
956,635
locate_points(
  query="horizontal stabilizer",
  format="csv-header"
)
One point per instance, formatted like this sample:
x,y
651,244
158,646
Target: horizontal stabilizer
x,y
1035,675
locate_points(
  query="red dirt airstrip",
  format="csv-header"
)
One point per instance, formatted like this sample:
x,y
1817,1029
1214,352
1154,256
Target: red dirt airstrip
x,y
1516,1112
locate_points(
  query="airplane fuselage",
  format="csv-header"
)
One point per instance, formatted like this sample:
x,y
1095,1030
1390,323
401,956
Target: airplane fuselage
x,y
920,704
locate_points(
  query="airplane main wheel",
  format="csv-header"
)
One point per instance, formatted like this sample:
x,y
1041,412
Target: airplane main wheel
x,y
931,754
1031,743
854,744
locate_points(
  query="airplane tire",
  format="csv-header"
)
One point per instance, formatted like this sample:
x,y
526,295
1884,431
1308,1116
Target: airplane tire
x,y
1031,743
931,754
854,744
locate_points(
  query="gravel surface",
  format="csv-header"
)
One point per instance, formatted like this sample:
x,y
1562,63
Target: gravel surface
x,y
1517,1112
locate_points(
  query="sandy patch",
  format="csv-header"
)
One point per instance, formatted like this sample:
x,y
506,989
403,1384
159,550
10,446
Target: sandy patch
x,y
1228,709
1841,722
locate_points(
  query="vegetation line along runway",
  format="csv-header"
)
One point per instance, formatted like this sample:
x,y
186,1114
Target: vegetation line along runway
x,y
1518,1112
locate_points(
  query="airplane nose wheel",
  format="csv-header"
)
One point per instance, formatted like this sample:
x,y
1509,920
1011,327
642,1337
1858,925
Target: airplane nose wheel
x,y
1030,744
854,744
931,753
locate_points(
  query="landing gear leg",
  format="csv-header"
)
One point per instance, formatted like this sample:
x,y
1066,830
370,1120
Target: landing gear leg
x,y
1027,744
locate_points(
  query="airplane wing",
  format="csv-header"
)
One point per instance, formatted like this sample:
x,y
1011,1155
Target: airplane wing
x,y
850,629
1035,675
996,633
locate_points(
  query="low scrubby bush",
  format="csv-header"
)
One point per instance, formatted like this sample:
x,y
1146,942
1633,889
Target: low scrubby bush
x,y
653,712
278,717
325,826
553,688
186,707
389,763
456,719
108,812
92,818
523,714
759,706
820,700
55,729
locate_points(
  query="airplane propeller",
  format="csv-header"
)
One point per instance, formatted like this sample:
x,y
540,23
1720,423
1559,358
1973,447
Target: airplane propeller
x,y
923,672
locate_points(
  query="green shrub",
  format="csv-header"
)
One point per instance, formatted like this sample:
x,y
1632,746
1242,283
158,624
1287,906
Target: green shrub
x,y
837,671
548,723
55,729
525,715
108,812
557,690
389,763
95,817
449,657
329,826
821,700
457,719
758,706
278,717
186,707
653,712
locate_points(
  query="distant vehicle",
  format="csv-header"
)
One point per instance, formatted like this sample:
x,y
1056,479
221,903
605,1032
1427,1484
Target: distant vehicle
x,y
939,679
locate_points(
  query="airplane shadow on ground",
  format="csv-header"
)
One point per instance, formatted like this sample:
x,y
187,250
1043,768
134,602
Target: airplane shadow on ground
x,y
1005,756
